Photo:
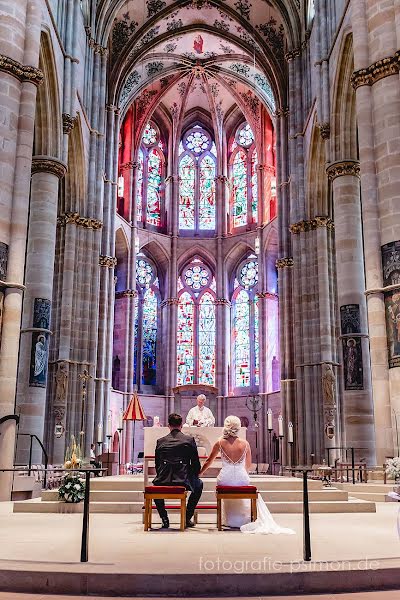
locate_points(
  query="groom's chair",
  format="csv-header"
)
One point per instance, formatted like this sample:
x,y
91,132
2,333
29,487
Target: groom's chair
x,y
163,492
236,492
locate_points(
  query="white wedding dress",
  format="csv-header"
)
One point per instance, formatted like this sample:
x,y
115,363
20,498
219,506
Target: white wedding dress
x,y
236,513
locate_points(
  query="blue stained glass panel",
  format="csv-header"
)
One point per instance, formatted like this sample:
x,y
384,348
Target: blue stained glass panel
x,y
207,339
186,192
149,337
139,185
154,172
185,340
207,194
241,336
239,180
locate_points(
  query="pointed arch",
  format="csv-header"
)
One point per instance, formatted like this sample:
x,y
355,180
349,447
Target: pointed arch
x,y
317,181
48,132
75,179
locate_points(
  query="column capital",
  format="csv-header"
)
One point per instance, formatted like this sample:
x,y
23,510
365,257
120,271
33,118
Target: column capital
x,y
267,295
170,302
49,164
107,261
311,225
68,122
341,168
222,302
20,71
292,54
126,294
283,263
282,112
76,219
132,164
324,130
390,65
222,178
171,178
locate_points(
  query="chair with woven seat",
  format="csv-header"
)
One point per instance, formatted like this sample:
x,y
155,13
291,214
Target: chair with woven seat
x,y
236,492
163,492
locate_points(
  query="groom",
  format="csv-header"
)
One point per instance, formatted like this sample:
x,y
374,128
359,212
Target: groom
x,y
177,463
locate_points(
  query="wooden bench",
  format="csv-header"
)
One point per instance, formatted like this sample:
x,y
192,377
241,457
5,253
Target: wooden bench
x,y
161,492
233,492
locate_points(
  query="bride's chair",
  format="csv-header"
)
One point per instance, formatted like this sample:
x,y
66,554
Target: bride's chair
x,y
236,492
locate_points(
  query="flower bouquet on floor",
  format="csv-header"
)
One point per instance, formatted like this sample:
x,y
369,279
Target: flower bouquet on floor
x,y
393,470
72,488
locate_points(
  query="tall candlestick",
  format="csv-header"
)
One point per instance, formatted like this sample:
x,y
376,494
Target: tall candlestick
x,y
290,432
280,426
269,419
121,420
109,427
100,433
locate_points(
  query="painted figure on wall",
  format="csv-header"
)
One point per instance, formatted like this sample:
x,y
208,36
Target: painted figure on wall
x,y
353,368
391,276
198,44
39,350
61,382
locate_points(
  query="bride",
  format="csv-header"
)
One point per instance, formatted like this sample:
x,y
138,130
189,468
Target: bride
x,y
236,462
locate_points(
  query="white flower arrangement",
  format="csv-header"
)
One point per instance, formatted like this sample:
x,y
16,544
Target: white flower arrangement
x,y
72,488
393,467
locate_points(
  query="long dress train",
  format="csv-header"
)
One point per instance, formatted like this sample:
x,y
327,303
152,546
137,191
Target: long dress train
x,y
236,513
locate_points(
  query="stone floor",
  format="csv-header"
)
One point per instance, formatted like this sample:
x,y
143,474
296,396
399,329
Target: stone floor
x,y
50,543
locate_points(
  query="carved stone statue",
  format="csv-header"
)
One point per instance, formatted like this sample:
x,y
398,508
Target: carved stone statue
x,y
61,381
329,386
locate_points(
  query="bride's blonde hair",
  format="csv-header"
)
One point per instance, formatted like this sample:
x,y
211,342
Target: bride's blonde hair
x,y
232,425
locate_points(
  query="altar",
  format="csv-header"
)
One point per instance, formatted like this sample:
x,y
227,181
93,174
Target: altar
x,y
205,438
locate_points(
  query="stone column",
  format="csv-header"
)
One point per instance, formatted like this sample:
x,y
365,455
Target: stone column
x,y
376,82
357,405
19,57
222,304
35,338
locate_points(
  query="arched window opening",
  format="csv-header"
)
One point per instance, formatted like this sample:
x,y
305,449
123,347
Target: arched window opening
x,y
197,171
146,309
245,336
196,325
244,178
150,175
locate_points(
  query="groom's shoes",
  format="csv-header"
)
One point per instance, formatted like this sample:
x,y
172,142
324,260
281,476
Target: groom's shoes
x,y
165,523
189,522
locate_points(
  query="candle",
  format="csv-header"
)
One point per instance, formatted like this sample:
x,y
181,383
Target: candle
x,y
290,432
269,419
121,420
280,426
100,433
109,427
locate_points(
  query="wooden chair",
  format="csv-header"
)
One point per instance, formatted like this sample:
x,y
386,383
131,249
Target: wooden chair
x,y
232,492
163,492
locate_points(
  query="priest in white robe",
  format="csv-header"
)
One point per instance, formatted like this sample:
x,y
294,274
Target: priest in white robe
x,y
200,415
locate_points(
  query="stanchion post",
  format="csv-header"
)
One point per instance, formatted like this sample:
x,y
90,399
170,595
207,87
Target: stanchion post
x,y
85,521
119,450
306,520
353,465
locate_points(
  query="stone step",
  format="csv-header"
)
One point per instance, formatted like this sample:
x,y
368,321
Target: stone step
x,y
380,488
208,495
33,506
263,483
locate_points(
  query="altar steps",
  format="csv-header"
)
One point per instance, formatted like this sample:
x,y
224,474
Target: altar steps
x,y
372,492
124,495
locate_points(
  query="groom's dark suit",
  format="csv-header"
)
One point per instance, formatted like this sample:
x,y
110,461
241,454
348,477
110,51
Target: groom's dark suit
x,y
177,463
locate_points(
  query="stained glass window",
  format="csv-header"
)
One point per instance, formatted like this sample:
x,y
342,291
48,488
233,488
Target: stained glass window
x,y
239,189
150,135
145,323
196,326
198,141
245,329
139,185
242,339
207,194
153,188
243,165
206,339
245,136
185,341
144,272
197,171
254,184
186,192
149,177
149,337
